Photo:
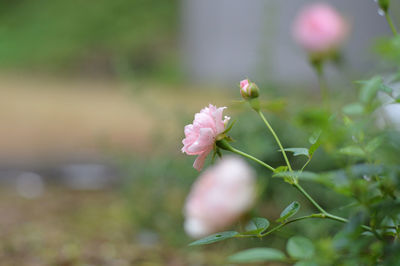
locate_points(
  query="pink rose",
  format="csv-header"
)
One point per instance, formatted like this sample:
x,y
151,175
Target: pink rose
x,y
200,136
219,197
319,28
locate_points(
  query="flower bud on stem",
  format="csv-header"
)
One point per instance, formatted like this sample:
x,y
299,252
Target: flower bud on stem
x,y
384,6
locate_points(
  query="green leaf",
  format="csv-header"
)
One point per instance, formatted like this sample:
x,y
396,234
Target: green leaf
x,y
353,109
256,226
214,238
287,176
308,176
299,247
258,255
347,121
313,148
229,127
280,169
369,89
298,151
314,137
289,211
385,88
352,151
373,144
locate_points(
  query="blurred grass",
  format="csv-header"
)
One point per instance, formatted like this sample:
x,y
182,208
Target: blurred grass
x,y
89,37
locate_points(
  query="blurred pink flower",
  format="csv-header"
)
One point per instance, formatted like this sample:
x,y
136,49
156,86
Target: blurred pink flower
x,y
201,135
219,197
244,86
319,28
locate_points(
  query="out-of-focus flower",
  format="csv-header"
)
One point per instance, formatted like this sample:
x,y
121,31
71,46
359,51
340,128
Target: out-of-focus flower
x,y
319,28
248,89
219,197
389,115
200,136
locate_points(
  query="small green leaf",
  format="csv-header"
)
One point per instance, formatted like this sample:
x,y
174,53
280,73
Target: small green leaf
x,y
308,176
299,247
369,89
385,88
353,109
287,176
347,121
314,137
352,151
289,211
258,255
256,226
214,238
298,151
373,144
280,169
229,127
313,148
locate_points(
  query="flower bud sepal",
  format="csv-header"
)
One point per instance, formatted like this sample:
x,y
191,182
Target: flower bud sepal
x,y
255,104
384,5
224,144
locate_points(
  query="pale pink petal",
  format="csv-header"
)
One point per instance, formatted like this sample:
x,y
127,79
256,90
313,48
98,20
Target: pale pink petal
x,y
199,162
202,120
202,143
244,84
219,197
201,135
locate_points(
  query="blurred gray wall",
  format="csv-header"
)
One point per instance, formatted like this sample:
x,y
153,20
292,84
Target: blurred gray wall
x,y
227,40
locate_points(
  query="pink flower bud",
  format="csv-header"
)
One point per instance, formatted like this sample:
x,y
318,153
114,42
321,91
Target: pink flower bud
x,y
319,28
201,135
248,89
219,197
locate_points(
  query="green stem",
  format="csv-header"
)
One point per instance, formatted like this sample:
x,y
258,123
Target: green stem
x,y
276,138
297,185
323,87
325,213
390,22
316,215
304,166
223,144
